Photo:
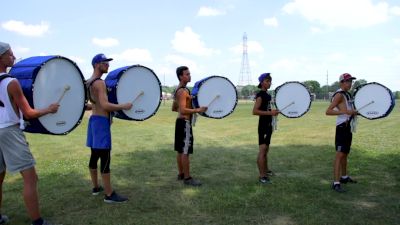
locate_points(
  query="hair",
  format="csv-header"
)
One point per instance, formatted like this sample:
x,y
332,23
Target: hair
x,y
179,71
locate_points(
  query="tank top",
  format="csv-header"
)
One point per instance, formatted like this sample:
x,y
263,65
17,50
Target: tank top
x,y
342,118
8,117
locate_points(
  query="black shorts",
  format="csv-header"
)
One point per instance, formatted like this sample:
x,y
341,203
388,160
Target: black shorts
x,y
264,134
183,136
343,137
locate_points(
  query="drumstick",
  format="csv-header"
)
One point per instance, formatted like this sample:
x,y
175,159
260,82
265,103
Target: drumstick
x,y
286,106
66,88
215,98
140,94
369,103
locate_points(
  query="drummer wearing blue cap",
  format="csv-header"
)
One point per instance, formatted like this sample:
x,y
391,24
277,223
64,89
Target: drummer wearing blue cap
x,y
262,108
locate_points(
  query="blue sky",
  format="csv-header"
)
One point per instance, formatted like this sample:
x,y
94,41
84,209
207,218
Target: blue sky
x,y
295,40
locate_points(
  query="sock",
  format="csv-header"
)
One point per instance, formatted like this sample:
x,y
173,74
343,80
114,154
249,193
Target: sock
x,y
336,182
38,221
345,177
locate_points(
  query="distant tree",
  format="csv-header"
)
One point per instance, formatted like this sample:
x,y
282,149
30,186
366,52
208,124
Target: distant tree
x,y
333,87
359,82
397,95
248,90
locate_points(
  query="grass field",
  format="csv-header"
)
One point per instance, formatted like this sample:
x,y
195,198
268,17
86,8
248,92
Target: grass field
x,y
143,168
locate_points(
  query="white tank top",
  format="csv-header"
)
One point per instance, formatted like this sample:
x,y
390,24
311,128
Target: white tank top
x,y
344,117
8,117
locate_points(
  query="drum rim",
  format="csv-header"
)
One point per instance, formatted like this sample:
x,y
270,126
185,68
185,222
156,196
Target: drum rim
x,y
289,82
196,103
34,75
120,114
391,98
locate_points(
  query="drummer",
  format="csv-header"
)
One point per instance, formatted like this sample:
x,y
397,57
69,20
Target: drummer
x,y
342,108
15,155
262,108
99,133
183,126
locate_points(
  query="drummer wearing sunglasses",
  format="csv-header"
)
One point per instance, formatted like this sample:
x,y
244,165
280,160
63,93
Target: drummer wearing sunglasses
x,y
263,110
342,108
15,155
183,126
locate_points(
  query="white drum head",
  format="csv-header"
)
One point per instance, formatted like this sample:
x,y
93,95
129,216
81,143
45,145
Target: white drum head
x,y
136,80
373,101
219,95
292,99
51,81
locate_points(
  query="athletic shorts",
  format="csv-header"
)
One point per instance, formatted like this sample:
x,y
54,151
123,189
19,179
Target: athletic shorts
x,y
15,155
343,137
183,136
99,133
264,135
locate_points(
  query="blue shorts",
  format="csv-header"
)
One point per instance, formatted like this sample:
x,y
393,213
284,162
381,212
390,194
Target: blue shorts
x,y
99,133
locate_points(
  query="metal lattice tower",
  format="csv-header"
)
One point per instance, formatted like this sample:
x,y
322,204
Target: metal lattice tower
x,y
245,74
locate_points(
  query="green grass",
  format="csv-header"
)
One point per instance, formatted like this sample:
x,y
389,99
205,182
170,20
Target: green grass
x,y
143,168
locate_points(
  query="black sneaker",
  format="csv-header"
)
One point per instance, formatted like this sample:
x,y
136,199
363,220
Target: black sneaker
x,y
45,222
347,180
4,219
264,180
97,190
180,176
192,182
115,198
338,188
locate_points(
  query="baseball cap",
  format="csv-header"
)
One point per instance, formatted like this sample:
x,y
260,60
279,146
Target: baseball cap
x,y
4,47
100,58
345,77
262,77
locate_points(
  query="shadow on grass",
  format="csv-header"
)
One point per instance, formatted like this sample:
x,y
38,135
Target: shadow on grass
x,y
300,192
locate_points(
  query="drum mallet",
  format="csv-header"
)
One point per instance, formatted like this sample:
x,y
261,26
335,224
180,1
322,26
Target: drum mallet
x,y
292,103
215,98
369,103
66,88
140,94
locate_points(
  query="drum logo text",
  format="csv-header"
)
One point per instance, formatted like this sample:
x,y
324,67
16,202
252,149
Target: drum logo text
x,y
293,112
61,123
139,111
218,111
372,113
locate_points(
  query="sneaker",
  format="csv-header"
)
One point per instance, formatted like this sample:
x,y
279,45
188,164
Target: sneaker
x,y
347,180
180,176
45,222
338,188
115,198
97,190
192,182
264,180
4,219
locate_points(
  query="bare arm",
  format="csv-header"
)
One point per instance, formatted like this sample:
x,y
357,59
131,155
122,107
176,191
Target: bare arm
x,y
99,89
17,96
181,96
336,103
257,111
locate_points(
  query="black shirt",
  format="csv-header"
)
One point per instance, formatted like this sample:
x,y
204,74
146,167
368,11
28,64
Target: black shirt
x,y
265,106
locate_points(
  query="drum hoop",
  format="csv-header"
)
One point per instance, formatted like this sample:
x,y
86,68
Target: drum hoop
x,y
30,100
295,82
196,103
120,114
391,98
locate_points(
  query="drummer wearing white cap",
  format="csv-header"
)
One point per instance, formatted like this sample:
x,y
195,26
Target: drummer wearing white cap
x,y
262,108
15,155
341,106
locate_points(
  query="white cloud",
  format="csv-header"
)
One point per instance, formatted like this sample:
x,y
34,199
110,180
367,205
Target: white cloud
x,y
396,41
180,61
340,13
187,41
105,42
316,30
273,22
395,10
337,56
77,59
26,29
252,47
207,11
133,55
375,59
